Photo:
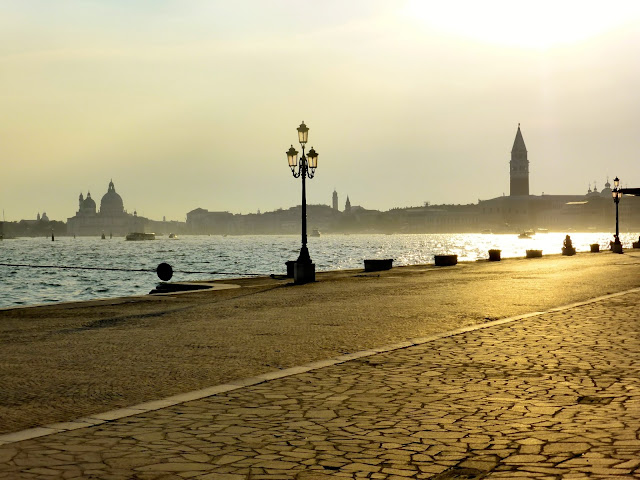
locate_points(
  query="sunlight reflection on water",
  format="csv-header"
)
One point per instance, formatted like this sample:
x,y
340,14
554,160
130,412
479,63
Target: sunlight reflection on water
x,y
262,254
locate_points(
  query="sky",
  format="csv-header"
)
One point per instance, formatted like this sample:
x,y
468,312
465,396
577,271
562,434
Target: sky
x,y
193,103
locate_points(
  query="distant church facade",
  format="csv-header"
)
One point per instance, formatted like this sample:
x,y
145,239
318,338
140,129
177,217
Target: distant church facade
x,y
110,219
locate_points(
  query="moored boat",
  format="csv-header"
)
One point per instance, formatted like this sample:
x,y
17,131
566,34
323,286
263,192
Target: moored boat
x,y
141,236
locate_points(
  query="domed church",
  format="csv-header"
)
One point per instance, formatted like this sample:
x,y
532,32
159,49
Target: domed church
x,y
111,203
111,219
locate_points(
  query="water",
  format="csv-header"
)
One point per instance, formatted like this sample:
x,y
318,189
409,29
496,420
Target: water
x,y
238,255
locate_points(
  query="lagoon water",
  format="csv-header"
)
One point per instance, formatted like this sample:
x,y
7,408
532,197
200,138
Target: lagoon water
x,y
231,257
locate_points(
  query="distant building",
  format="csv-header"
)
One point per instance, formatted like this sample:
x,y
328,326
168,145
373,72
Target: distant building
x,y
513,213
593,211
201,221
111,219
519,167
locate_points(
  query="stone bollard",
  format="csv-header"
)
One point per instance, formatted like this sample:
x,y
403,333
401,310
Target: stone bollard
x,y
289,265
595,247
446,260
534,253
494,255
304,273
377,265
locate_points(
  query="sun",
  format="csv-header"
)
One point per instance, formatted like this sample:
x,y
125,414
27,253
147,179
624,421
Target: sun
x,y
527,24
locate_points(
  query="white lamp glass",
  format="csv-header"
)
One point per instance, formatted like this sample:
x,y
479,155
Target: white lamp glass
x,y
313,159
292,157
303,133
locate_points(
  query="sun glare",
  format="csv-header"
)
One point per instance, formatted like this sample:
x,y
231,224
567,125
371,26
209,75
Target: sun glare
x,y
527,24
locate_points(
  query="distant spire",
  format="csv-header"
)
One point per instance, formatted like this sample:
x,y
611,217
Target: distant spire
x,y
518,143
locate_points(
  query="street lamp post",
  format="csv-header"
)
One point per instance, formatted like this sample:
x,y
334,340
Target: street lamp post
x,y
303,269
616,247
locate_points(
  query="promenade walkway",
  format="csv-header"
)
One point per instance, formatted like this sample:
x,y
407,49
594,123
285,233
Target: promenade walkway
x,y
548,396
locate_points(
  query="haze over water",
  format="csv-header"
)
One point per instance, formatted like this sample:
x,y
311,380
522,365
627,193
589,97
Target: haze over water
x,y
200,100
236,255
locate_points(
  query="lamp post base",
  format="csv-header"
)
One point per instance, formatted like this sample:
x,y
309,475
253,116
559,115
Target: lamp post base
x,y
304,255
304,272
616,247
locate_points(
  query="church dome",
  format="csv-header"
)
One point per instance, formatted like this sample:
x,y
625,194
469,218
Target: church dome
x,y
111,203
89,203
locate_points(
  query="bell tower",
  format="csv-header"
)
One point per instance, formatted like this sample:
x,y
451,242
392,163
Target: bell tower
x,y
519,167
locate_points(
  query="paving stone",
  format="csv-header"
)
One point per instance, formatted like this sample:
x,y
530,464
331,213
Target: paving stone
x,y
475,400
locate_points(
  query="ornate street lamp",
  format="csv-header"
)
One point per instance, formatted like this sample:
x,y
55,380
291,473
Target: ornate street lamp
x,y
616,247
304,269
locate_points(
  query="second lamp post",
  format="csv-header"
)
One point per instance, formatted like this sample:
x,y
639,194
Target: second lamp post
x,y
304,269
616,247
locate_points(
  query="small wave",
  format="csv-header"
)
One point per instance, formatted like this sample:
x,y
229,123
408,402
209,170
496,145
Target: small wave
x,y
241,254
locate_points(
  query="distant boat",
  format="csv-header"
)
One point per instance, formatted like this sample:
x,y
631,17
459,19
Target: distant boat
x,y
141,236
315,232
543,230
173,235
525,235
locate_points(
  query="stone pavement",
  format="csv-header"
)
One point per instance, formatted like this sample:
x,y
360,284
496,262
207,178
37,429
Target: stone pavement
x,y
548,396
64,361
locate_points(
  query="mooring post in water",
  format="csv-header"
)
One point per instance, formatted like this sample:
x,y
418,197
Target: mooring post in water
x,y
52,237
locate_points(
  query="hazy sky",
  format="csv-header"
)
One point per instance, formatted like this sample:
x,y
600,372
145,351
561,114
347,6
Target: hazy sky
x,y
193,103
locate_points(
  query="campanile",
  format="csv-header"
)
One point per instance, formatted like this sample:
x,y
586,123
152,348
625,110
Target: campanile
x,y
519,167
